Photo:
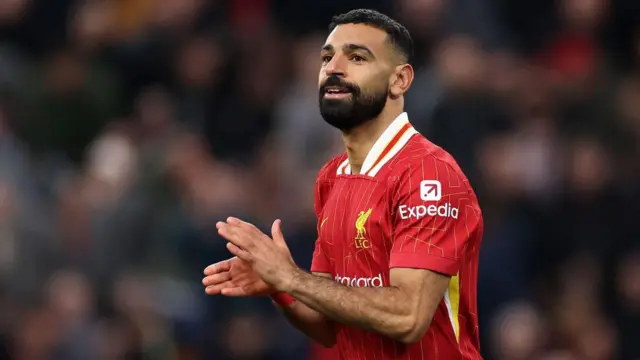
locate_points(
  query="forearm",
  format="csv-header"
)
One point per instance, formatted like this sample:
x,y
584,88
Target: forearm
x,y
385,310
311,323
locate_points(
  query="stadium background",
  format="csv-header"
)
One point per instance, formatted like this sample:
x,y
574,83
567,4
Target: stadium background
x,y
128,127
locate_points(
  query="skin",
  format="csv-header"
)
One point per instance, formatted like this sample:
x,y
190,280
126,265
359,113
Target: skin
x,y
402,311
362,54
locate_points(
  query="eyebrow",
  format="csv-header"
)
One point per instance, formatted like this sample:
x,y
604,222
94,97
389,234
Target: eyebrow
x,y
350,48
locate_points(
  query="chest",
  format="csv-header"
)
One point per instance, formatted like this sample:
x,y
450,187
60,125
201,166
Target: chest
x,y
355,226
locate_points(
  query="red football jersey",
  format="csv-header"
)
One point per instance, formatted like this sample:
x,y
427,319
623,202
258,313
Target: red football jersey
x,y
410,207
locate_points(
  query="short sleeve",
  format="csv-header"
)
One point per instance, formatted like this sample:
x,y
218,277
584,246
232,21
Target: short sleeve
x,y
435,215
320,261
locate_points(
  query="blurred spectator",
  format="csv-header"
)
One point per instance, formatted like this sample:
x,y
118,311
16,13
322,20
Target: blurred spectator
x,y
68,103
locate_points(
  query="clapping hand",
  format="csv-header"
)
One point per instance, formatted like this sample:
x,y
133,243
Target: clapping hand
x,y
261,264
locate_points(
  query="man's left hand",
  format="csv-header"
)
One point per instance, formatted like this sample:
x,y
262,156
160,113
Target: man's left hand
x,y
270,259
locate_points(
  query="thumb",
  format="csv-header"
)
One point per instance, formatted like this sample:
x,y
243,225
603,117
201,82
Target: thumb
x,y
276,234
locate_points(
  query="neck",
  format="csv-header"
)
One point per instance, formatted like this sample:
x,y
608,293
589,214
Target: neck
x,y
361,139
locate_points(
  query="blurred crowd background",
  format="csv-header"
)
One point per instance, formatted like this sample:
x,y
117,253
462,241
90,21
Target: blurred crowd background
x,y
129,127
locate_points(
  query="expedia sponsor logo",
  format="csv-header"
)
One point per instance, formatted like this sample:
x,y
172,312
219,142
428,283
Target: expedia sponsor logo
x,y
418,212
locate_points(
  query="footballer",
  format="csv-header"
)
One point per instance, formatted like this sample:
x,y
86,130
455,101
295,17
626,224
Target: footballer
x,y
395,266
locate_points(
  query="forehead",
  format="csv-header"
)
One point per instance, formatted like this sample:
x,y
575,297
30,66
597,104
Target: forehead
x,y
360,34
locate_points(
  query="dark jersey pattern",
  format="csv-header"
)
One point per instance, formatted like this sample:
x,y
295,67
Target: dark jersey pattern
x,y
411,207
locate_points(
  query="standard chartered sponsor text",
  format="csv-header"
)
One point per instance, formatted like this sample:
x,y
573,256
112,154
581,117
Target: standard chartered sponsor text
x,y
355,281
420,211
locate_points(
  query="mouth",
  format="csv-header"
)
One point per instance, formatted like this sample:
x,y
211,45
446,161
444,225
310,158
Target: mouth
x,y
336,92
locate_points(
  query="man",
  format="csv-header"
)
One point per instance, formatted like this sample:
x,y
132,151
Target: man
x,y
394,271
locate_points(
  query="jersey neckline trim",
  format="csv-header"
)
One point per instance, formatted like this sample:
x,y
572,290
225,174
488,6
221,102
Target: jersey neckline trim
x,y
388,145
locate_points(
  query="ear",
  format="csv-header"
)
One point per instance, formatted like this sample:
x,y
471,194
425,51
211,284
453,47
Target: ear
x,y
401,80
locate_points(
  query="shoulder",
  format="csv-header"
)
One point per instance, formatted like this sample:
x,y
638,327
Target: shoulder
x,y
329,171
425,161
425,156
325,180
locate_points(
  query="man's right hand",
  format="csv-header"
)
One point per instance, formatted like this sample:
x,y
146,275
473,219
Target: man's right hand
x,y
234,277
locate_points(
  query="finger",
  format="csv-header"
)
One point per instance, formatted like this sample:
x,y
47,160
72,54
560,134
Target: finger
x,y
251,232
242,254
233,291
216,279
235,236
225,225
277,235
218,267
217,289
242,224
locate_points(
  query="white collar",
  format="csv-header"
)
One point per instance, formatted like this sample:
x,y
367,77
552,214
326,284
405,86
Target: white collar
x,y
392,140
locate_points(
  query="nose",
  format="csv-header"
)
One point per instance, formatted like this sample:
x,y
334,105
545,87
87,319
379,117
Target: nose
x,y
336,67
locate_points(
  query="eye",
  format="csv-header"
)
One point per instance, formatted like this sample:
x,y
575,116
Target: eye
x,y
357,58
326,58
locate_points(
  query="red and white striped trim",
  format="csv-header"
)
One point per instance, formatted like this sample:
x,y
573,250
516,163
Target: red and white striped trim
x,y
392,140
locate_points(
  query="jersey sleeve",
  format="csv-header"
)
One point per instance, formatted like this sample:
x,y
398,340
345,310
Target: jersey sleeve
x,y
435,215
320,261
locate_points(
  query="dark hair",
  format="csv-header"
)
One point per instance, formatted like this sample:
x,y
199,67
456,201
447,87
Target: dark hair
x,y
398,35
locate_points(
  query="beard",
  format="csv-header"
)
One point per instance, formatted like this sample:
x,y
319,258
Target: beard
x,y
354,110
